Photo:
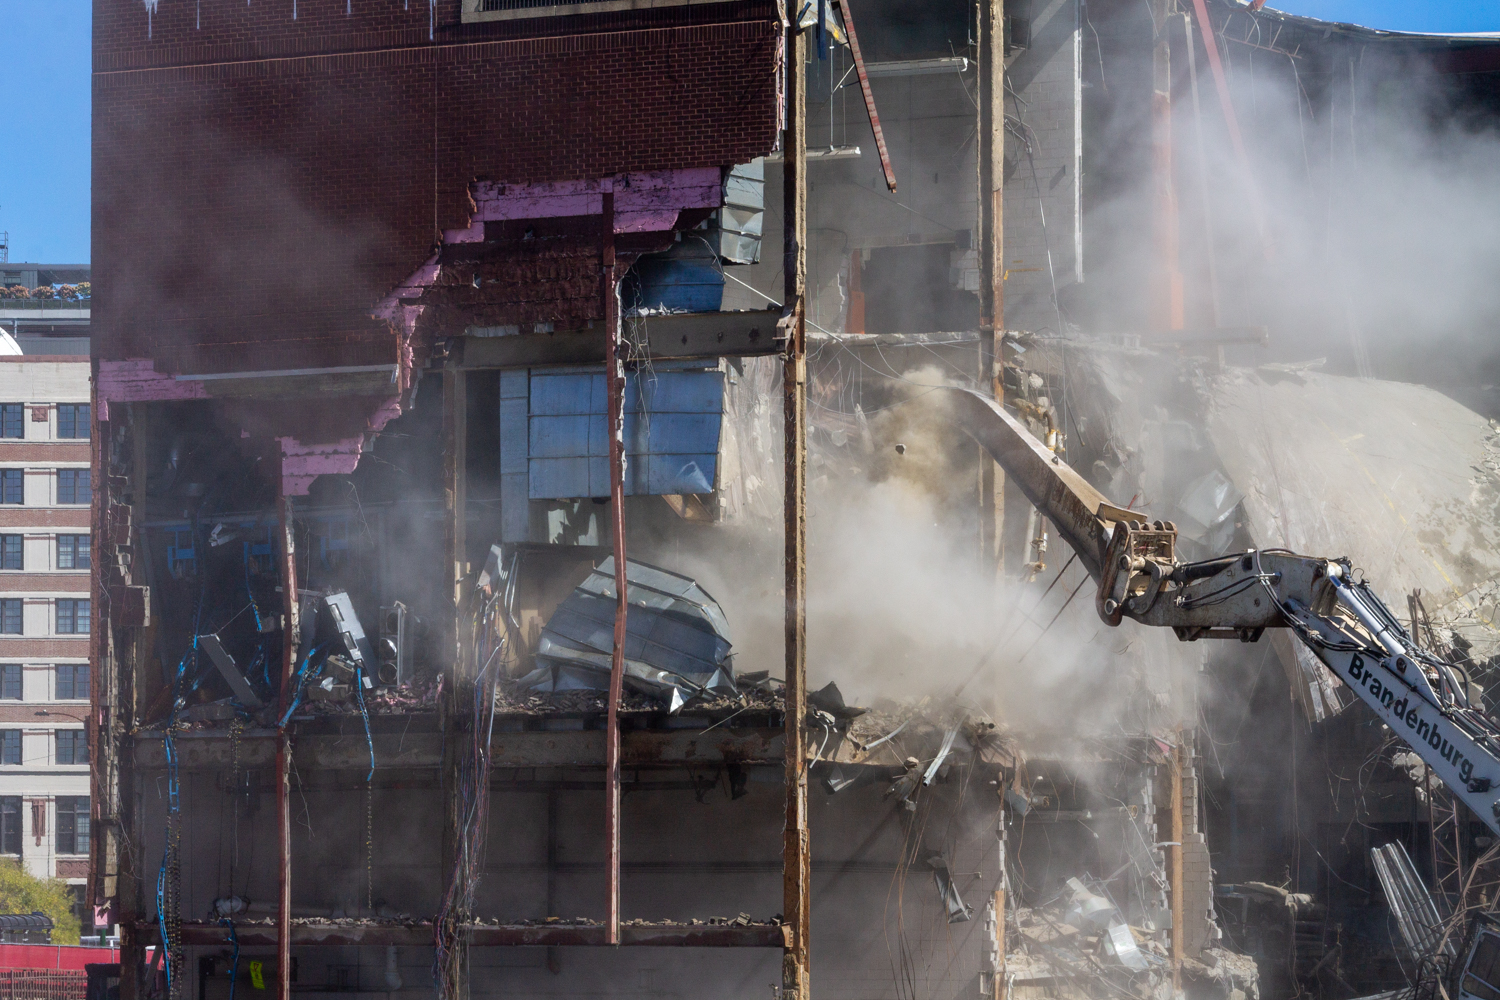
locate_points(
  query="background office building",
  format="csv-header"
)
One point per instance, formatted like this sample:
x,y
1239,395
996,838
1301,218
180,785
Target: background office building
x,y
45,559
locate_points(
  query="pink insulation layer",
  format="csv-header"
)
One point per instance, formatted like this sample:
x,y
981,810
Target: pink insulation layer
x,y
302,463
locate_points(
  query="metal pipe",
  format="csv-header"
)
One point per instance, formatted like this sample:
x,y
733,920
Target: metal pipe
x,y
283,743
795,869
864,89
1166,294
614,377
1175,862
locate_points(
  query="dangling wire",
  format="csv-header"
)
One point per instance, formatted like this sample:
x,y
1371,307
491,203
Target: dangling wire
x,y
234,963
168,878
359,690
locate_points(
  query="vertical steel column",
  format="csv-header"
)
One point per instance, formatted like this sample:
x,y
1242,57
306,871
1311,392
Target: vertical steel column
x,y
455,707
101,651
999,990
614,377
127,897
795,865
1174,862
991,198
1166,311
284,741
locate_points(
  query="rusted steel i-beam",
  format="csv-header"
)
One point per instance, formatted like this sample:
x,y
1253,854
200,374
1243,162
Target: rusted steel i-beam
x,y
457,686
796,911
991,228
284,745
128,897
614,377
864,88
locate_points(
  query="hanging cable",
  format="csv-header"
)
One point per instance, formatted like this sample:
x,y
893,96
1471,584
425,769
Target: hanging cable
x,y
234,962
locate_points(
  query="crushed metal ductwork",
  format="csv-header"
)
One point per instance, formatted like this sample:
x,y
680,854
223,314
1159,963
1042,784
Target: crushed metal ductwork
x,y
1415,912
676,638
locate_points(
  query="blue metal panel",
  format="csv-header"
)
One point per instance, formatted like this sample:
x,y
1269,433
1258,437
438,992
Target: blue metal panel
x,y
680,286
676,392
560,478
515,514
672,425
686,278
675,434
563,436
567,392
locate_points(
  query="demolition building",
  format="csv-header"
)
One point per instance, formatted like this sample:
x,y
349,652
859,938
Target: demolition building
x,y
539,552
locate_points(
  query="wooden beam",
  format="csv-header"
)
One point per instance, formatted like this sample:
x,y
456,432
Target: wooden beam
x,y
797,910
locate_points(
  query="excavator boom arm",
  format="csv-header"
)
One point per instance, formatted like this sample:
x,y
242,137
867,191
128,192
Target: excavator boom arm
x,y
1423,700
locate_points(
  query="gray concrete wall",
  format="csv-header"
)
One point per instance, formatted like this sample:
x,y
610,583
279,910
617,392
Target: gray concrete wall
x,y
1045,100
875,904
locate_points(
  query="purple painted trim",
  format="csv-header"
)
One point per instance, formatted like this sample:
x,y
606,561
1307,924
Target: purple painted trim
x,y
302,463
644,202
136,380
661,194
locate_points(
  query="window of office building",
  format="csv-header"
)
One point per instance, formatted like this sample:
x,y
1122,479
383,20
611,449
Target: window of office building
x,y
10,681
10,746
10,420
10,824
73,420
72,617
12,552
12,486
73,486
72,824
10,616
72,681
72,746
72,552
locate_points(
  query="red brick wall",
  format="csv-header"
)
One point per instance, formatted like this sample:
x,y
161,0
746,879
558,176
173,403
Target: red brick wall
x,y
259,182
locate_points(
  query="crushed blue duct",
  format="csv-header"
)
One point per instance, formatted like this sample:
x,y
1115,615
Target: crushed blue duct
x,y
676,638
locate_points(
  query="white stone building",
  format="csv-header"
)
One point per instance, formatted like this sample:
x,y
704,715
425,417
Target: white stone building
x,y
45,613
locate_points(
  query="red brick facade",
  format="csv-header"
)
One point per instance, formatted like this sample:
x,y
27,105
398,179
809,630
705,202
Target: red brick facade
x,y
260,183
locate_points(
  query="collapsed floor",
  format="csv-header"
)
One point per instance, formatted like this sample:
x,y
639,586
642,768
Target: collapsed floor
x,y
918,802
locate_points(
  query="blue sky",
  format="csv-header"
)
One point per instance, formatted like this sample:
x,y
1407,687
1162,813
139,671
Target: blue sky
x,y
1401,15
44,134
